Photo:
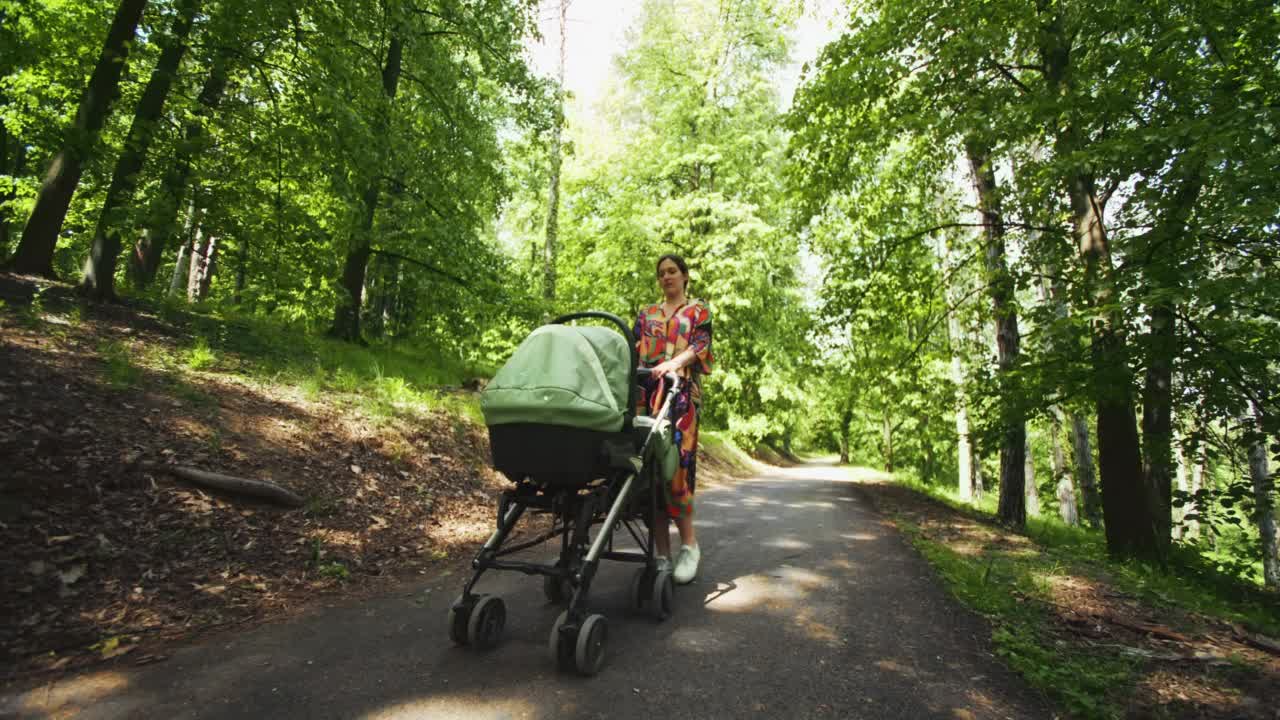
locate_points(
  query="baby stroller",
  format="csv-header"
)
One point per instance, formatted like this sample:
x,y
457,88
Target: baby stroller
x,y
563,428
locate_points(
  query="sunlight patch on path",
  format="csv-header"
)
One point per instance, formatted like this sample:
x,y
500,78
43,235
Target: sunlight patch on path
x,y
462,707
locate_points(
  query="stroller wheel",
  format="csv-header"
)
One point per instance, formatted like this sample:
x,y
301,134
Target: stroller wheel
x,y
561,648
459,616
488,617
591,643
641,588
661,596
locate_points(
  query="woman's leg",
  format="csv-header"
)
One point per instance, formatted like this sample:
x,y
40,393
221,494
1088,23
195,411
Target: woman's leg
x,y
685,526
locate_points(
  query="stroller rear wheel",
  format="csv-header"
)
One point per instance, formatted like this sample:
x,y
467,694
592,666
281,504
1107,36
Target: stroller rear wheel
x,y
641,587
562,649
488,619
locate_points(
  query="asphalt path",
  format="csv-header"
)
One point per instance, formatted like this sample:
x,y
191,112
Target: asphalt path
x,y
808,604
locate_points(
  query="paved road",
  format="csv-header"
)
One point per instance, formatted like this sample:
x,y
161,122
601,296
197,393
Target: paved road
x,y
808,605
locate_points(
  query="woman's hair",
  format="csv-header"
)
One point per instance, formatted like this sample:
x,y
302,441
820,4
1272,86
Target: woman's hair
x,y
680,263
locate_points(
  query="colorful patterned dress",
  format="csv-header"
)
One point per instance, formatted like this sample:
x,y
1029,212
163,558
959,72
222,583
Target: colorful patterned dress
x,y
660,337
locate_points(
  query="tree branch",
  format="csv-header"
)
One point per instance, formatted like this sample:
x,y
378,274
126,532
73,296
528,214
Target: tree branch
x,y
425,266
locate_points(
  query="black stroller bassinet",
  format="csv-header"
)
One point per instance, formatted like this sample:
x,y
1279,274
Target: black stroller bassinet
x,y
563,429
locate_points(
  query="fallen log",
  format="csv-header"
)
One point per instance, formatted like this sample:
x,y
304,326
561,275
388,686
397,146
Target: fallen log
x,y
1257,640
229,483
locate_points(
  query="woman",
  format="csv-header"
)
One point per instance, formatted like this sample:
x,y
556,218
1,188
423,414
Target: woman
x,y
674,336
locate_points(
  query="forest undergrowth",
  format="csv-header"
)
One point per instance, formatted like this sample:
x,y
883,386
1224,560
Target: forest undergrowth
x,y
1103,639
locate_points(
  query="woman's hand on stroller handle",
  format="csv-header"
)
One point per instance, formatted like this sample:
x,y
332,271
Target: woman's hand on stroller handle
x,y
671,377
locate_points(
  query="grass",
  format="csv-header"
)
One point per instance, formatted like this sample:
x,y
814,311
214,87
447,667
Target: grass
x,y
1191,581
718,445
997,585
998,582
119,368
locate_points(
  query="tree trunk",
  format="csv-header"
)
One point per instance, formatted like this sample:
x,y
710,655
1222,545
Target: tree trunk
x,y
40,236
346,317
964,448
1182,482
979,486
846,419
1264,505
1064,488
242,269
886,430
1162,345
99,278
1082,457
1198,468
1030,488
551,247
1012,508
165,205
203,260
181,268
1129,510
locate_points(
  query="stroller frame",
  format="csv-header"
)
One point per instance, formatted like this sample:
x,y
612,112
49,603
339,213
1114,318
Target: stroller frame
x,y
578,638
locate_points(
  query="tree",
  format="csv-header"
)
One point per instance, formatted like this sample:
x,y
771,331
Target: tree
x,y
100,267
35,250
1013,453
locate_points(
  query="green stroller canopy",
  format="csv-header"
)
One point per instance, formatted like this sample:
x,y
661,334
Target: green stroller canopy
x,y
563,375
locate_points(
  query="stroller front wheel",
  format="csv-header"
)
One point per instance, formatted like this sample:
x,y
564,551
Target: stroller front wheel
x,y
662,596
591,643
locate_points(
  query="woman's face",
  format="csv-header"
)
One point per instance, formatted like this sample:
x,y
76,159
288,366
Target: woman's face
x,y
670,279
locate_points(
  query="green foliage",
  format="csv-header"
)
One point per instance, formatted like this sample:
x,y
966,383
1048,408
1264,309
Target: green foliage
x,y
200,357
120,371
335,570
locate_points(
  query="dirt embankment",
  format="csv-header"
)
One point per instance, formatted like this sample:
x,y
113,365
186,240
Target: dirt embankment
x,y
108,561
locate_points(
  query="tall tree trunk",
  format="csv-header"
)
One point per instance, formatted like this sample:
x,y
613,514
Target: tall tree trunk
x,y
40,236
1082,459
1129,510
1199,465
1052,293
1029,487
182,267
964,448
346,317
1182,482
1013,436
886,430
1064,488
1264,504
162,213
846,419
242,269
204,256
551,247
1162,345
99,278
979,486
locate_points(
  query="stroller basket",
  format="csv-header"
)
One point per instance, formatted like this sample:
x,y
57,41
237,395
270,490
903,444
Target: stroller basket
x,y
557,455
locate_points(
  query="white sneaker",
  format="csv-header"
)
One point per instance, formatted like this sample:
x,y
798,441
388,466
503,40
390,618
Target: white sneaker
x,y
664,563
686,564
